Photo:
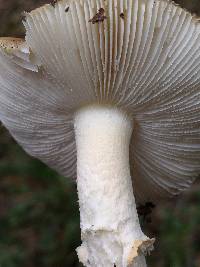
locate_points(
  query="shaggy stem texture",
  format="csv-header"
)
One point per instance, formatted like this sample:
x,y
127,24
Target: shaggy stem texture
x,y
110,229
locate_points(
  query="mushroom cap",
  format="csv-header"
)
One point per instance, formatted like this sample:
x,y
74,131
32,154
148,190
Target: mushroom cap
x,y
139,55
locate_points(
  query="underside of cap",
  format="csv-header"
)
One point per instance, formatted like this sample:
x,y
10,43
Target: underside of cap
x,y
19,53
139,55
33,110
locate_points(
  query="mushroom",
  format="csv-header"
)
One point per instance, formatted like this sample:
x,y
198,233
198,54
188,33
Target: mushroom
x,y
113,103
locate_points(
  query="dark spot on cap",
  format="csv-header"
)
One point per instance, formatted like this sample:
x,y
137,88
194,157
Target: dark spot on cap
x,y
67,9
53,3
99,17
122,15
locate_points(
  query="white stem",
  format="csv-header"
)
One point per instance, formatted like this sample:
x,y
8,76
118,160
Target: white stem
x,y
110,228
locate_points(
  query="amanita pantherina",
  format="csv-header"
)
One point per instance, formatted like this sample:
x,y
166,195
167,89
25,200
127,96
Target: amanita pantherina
x,y
92,88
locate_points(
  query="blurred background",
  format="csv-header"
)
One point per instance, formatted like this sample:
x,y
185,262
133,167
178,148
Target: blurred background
x,y
39,218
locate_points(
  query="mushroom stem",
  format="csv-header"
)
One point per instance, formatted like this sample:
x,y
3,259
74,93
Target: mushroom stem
x,y
110,228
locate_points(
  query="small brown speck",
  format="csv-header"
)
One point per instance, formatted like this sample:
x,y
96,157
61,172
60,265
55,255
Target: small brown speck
x,y
53,3
67,9
122,15
99,17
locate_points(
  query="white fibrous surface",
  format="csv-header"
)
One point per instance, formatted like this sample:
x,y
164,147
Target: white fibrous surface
x,y
143,56
110,228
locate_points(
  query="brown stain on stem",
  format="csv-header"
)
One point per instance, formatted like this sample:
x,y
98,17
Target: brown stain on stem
x,y
140,247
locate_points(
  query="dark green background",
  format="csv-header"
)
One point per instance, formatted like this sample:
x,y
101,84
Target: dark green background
x,y
39,219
